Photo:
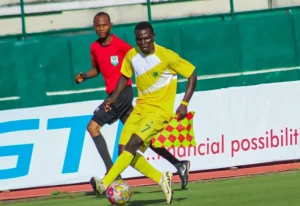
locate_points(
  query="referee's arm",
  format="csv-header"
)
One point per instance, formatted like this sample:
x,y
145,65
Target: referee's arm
x,y
93,72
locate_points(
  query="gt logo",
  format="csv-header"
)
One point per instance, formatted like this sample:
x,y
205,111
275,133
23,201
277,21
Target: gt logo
x,y
24,152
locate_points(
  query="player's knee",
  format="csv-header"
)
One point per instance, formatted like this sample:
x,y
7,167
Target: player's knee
x,y
93,128
134,143
121,149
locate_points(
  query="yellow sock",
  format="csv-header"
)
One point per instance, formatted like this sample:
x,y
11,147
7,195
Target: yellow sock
x,y
118,167
143,166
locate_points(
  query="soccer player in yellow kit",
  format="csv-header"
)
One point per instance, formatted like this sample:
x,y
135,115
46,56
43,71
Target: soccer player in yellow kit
x,y
156,69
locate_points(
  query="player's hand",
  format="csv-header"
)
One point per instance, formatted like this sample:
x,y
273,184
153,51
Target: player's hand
x,y
181,112
108,102
79,78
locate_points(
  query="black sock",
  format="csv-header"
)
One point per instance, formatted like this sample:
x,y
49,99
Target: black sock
x,y
166,154
103,151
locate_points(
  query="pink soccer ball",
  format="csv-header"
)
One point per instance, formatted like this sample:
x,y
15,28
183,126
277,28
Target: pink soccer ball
x,y
118,193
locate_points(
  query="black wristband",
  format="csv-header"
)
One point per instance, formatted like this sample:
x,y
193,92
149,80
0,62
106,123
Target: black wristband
x,y
85,76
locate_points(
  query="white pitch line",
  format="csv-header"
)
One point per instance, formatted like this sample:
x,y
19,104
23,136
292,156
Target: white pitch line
x,y
9,98
203,77
216,76
78,91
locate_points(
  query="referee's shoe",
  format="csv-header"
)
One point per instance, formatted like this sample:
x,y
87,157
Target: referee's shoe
x,y
183,170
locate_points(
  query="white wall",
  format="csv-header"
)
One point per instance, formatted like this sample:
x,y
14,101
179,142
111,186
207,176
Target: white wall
x,y
246,5
119,15
131,13
11,2
284,3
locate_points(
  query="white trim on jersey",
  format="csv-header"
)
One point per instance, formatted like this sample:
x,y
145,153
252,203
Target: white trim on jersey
x,y
141,64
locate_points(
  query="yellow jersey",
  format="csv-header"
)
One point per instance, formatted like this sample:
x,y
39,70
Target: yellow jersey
x,y
156,77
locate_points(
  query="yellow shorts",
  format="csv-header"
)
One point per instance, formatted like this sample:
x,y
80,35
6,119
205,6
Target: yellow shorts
x,y
146,125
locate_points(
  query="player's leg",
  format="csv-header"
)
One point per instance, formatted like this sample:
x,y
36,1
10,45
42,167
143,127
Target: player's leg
x,y
99,119
139,162
146,129
130,157
150,125
122,107
94,129
124,158
125,110
182,167
123,141
120,110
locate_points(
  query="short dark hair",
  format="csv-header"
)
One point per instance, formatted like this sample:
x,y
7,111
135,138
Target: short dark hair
x,y
144,25
102,13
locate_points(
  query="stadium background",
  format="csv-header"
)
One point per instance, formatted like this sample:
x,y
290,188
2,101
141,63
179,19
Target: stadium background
x,y
232,44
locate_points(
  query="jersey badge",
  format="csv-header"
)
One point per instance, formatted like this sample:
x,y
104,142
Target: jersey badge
x,y
114,60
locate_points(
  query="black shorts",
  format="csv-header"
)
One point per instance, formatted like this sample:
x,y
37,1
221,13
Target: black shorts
x,y
121,109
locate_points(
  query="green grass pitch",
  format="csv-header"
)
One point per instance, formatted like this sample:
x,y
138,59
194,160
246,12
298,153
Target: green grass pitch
x,y
276,189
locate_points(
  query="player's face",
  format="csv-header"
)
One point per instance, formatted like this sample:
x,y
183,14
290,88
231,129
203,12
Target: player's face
x,y
145,40
102,26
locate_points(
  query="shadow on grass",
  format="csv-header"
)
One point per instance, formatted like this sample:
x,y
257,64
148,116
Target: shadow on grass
x,y
141,202
90,193
174,190
150,202
133,193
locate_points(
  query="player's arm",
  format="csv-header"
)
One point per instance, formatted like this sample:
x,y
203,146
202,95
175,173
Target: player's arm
x,y
190,88
187,70
122,83
127,72
93,72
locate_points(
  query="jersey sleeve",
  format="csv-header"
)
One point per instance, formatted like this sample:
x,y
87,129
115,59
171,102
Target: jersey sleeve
x,y
180,65
126,68
94,63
